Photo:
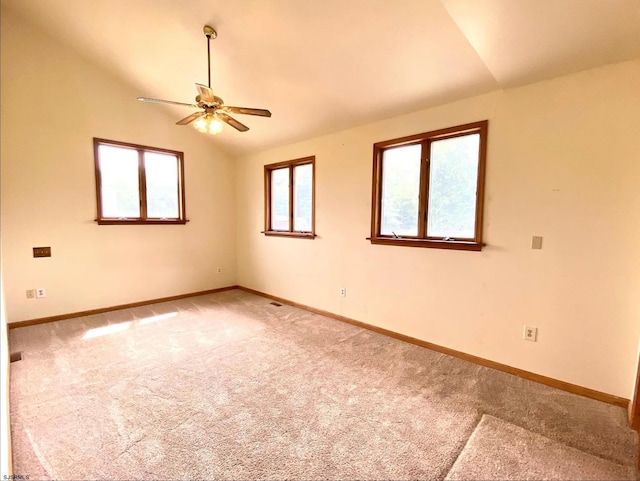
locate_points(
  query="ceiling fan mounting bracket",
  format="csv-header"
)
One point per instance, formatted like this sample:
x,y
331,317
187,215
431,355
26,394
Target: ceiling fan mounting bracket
x,y
209,32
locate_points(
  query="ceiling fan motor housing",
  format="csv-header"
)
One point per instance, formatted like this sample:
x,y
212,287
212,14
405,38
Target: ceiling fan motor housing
x,y
217,102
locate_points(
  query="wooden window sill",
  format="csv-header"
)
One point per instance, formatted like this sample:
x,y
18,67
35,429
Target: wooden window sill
x,y
140,221
428,243
298,235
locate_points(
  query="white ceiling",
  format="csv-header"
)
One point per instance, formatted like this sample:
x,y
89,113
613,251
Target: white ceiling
x,y
326,65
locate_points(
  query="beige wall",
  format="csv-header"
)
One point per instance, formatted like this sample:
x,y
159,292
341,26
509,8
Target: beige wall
x,y
563,163
53,103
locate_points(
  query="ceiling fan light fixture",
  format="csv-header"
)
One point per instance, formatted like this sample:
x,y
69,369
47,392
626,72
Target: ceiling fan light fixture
x,y
208,124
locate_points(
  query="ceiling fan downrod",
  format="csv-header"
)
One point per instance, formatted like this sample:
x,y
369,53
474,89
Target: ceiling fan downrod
x,y
210,33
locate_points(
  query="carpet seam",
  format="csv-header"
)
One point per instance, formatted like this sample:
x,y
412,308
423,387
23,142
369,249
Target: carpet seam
x,y
546,437
475,428
43,461
560,441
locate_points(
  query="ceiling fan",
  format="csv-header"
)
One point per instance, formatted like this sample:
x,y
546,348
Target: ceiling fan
x,y
214,112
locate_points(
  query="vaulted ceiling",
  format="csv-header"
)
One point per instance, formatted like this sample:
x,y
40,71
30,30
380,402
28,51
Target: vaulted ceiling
x,y
325,65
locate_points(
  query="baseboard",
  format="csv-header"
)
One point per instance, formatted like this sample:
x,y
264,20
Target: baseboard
x,y
547,381
62,317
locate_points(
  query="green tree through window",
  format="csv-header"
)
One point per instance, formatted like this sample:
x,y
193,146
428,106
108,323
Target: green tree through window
x,y
428,188
137,184
289,198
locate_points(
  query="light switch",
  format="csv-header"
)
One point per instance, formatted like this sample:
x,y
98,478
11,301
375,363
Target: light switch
x,y
536,242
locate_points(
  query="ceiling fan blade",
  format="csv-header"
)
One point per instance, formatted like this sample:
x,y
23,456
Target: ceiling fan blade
x,y
190,118
206,94
159,101
232,122
248,111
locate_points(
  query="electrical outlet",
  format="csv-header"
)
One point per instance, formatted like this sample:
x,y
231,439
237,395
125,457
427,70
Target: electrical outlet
x,y
41,292
42,252
31,293
530,334
343,292
219,270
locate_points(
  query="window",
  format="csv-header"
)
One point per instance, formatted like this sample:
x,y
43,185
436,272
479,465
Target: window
x,y
428,189
137,184
290,198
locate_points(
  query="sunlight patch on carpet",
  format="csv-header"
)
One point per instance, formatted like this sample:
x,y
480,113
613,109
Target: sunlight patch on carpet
x,y
105,330
159,317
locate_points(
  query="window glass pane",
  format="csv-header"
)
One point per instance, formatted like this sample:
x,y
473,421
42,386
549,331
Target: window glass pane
x,y
400,190
280,199
302,197
119,178
162,185
452,187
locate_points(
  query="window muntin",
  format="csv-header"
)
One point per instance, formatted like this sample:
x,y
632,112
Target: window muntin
x,y
137,184
428,189
289,198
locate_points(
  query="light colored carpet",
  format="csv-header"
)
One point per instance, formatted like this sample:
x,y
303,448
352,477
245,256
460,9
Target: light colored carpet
x,y
501,450
228,386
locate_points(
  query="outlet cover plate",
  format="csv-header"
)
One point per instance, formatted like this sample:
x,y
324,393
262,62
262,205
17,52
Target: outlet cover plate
x,y
42,252
530,334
